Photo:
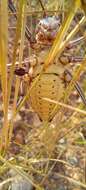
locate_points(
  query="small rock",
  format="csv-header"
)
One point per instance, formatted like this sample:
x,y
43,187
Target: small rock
x,y
62,141
73,161
20,184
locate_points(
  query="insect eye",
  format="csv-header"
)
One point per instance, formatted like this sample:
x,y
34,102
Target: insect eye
x,y
20,72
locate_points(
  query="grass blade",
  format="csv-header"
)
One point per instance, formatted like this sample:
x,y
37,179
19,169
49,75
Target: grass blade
x,y
17,85
3,63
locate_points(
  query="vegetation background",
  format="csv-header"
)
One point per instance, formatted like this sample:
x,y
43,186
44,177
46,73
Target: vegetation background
x,y
33,154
